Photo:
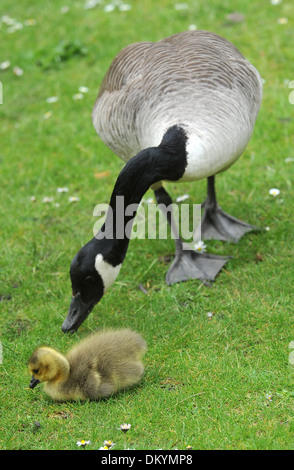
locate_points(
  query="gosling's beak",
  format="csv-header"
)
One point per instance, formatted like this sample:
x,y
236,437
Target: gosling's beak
x,y
77,313
34,382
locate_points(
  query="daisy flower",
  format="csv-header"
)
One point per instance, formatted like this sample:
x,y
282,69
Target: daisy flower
x,y
15,27
200,246
78,96
5,65
274,192
108,444
47,115
182,198
181,6
124,427
148,201
62,190
109,8
64,9
73,199
90,4
282,20
47,199
124,7
30,22
52,99
18,71
83,443
83,89
6,19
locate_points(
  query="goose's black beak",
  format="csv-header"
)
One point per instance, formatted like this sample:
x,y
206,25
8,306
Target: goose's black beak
x,y
34,382
77,313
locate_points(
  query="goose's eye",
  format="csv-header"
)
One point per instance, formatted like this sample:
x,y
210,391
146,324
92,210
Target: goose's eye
x,y
88,281
88,290
35,371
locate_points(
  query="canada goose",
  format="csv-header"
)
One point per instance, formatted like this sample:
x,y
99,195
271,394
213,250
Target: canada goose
x,y
98,366
185,107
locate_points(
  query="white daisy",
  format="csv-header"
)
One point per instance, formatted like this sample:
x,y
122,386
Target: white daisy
x,y
182,198
73,199
62,190
47,115
274,192
124,7
6,19
78,96
148,201
52,99
5,65
91,4
30,22
64,9
47,199
181,6
83,443
125,427
83,89
18,71
15,27
200,246
108,444
109,8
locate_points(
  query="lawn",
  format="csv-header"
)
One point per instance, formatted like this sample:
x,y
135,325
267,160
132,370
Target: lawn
x,y
220,381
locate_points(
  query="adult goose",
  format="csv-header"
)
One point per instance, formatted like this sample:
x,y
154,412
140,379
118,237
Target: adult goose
x,y
181,109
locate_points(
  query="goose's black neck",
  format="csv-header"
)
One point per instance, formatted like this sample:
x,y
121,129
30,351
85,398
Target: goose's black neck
x,y
165,162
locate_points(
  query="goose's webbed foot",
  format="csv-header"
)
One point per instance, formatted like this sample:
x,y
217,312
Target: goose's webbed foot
x,y
189,264
218,225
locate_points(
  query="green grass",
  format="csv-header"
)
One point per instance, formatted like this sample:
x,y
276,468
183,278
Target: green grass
x,y
208,380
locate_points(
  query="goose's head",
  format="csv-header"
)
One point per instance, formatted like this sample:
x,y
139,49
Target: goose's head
x,y
47,364
91,275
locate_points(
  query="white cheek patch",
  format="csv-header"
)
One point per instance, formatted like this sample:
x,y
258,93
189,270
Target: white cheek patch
x,y
107,272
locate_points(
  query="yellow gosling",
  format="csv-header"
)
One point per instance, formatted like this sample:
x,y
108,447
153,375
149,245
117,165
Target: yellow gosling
x,y
98,366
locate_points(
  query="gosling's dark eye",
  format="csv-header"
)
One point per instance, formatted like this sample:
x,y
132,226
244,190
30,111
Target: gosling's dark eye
x,y
35,371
